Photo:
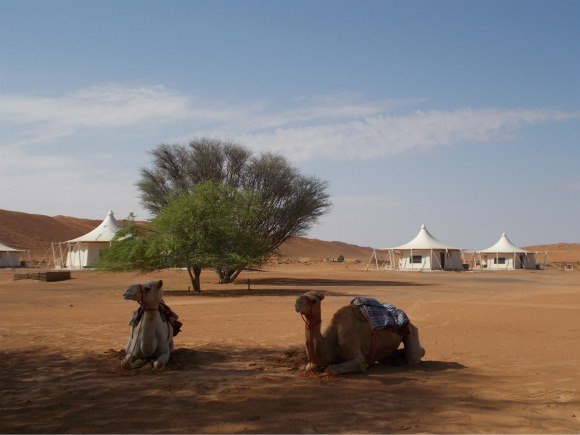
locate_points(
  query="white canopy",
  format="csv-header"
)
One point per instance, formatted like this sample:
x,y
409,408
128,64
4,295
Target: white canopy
x,y
4,248
103,233
503,245
425,240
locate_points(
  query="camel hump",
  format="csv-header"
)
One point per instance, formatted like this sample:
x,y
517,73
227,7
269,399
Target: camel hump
x,y
382,316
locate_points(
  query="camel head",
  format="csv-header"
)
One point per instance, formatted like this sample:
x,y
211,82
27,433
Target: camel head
x,y
149,294
306,303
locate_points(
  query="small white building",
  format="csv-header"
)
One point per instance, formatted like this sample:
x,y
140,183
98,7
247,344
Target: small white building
x,y
425,253
504,255
85,251
9,257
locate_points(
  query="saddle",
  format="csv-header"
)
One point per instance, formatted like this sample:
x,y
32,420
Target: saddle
x,y
167,315
383,316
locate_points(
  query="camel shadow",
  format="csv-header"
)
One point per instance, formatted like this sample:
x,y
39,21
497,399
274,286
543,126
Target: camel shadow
x,y
238,293
323,282
399,366
264,386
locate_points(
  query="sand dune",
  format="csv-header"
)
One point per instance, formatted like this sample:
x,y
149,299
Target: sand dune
x,y
36,232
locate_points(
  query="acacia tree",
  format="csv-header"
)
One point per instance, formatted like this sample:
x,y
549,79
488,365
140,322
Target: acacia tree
x,y
206,227
290,202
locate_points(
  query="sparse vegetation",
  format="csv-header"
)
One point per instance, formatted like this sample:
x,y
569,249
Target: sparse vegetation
x,y
211,226
290,202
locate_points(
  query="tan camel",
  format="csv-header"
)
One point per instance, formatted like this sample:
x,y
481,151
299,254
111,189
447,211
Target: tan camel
x,y
151,338
348,344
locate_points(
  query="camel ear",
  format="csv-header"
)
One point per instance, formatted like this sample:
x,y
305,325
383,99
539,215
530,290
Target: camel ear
x,y
320,296
160,283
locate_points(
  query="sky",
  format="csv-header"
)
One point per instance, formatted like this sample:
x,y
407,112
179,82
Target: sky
x,y
460,115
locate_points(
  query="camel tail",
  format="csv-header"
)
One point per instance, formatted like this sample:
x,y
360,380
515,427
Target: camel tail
x,y
413,350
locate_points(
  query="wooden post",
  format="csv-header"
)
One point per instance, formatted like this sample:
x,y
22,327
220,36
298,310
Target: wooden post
x,y
249,285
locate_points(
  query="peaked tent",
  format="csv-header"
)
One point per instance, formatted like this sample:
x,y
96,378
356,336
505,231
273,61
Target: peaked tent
x,y
9,257
504,255
425,252
84,251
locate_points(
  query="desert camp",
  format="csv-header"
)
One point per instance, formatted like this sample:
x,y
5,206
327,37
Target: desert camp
x,y
289,217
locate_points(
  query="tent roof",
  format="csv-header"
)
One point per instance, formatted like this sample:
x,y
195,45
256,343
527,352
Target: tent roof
x,y
4,248
103,233
425,240
503,245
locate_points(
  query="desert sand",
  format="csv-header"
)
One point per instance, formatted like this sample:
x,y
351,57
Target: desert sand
x,y
502,355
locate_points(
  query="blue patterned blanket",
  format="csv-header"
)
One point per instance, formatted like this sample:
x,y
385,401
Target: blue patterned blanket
x,y
382,316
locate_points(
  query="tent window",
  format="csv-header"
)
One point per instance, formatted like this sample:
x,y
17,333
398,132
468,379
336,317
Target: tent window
x,y
500,260
417,259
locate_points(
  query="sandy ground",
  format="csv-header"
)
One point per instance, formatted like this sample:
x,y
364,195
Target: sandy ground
x,y
502,356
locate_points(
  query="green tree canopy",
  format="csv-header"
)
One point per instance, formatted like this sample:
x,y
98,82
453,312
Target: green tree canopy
x,y
290,202
206,227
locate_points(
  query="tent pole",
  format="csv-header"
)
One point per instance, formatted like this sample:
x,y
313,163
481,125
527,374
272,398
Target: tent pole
x,y
53,254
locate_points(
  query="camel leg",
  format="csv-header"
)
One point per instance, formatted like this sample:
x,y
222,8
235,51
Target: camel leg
x,y
355,365
311,367
162,360
413,350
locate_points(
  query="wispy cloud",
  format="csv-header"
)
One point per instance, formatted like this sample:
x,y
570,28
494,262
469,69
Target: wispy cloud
x,y
56,184
380,136
43,119
342,126
571,184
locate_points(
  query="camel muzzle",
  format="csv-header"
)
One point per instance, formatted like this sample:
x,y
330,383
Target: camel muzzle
x,y
298,305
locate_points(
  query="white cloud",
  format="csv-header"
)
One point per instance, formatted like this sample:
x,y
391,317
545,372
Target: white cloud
x,y
43,119
51,184
571,184
380,136
342,126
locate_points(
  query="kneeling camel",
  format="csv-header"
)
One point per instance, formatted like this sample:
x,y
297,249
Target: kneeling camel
x,y
151,336
349,344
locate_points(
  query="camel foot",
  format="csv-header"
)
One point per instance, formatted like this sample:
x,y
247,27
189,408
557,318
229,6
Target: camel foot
x,y
328,372
125,363
311,367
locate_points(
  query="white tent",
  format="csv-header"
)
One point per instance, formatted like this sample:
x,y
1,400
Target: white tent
x,y
9,257
504,255
84,251
425,252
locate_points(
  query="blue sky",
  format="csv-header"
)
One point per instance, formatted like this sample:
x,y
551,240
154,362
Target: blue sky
x,y
464,116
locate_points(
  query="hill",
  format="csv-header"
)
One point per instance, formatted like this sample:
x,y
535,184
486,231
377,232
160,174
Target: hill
x,y
558,252
36,232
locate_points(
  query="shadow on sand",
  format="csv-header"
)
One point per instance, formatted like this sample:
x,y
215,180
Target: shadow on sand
x,y
314,282
228,389
238,293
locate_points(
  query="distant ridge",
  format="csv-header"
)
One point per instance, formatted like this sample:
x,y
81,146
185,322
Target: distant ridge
x,y
36,232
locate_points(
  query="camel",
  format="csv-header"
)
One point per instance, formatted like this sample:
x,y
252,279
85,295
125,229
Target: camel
x,y
349,343
152,337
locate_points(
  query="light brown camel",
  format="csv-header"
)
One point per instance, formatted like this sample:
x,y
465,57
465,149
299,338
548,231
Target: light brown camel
x,y
151,338
348,345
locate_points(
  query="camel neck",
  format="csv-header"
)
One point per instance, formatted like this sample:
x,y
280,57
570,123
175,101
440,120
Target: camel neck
x,y
315,343
148,342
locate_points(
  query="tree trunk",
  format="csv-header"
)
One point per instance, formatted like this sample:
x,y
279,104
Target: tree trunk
x,y
194,274
227,276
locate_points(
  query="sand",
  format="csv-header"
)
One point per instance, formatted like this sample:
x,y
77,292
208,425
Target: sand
x,y
502,355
